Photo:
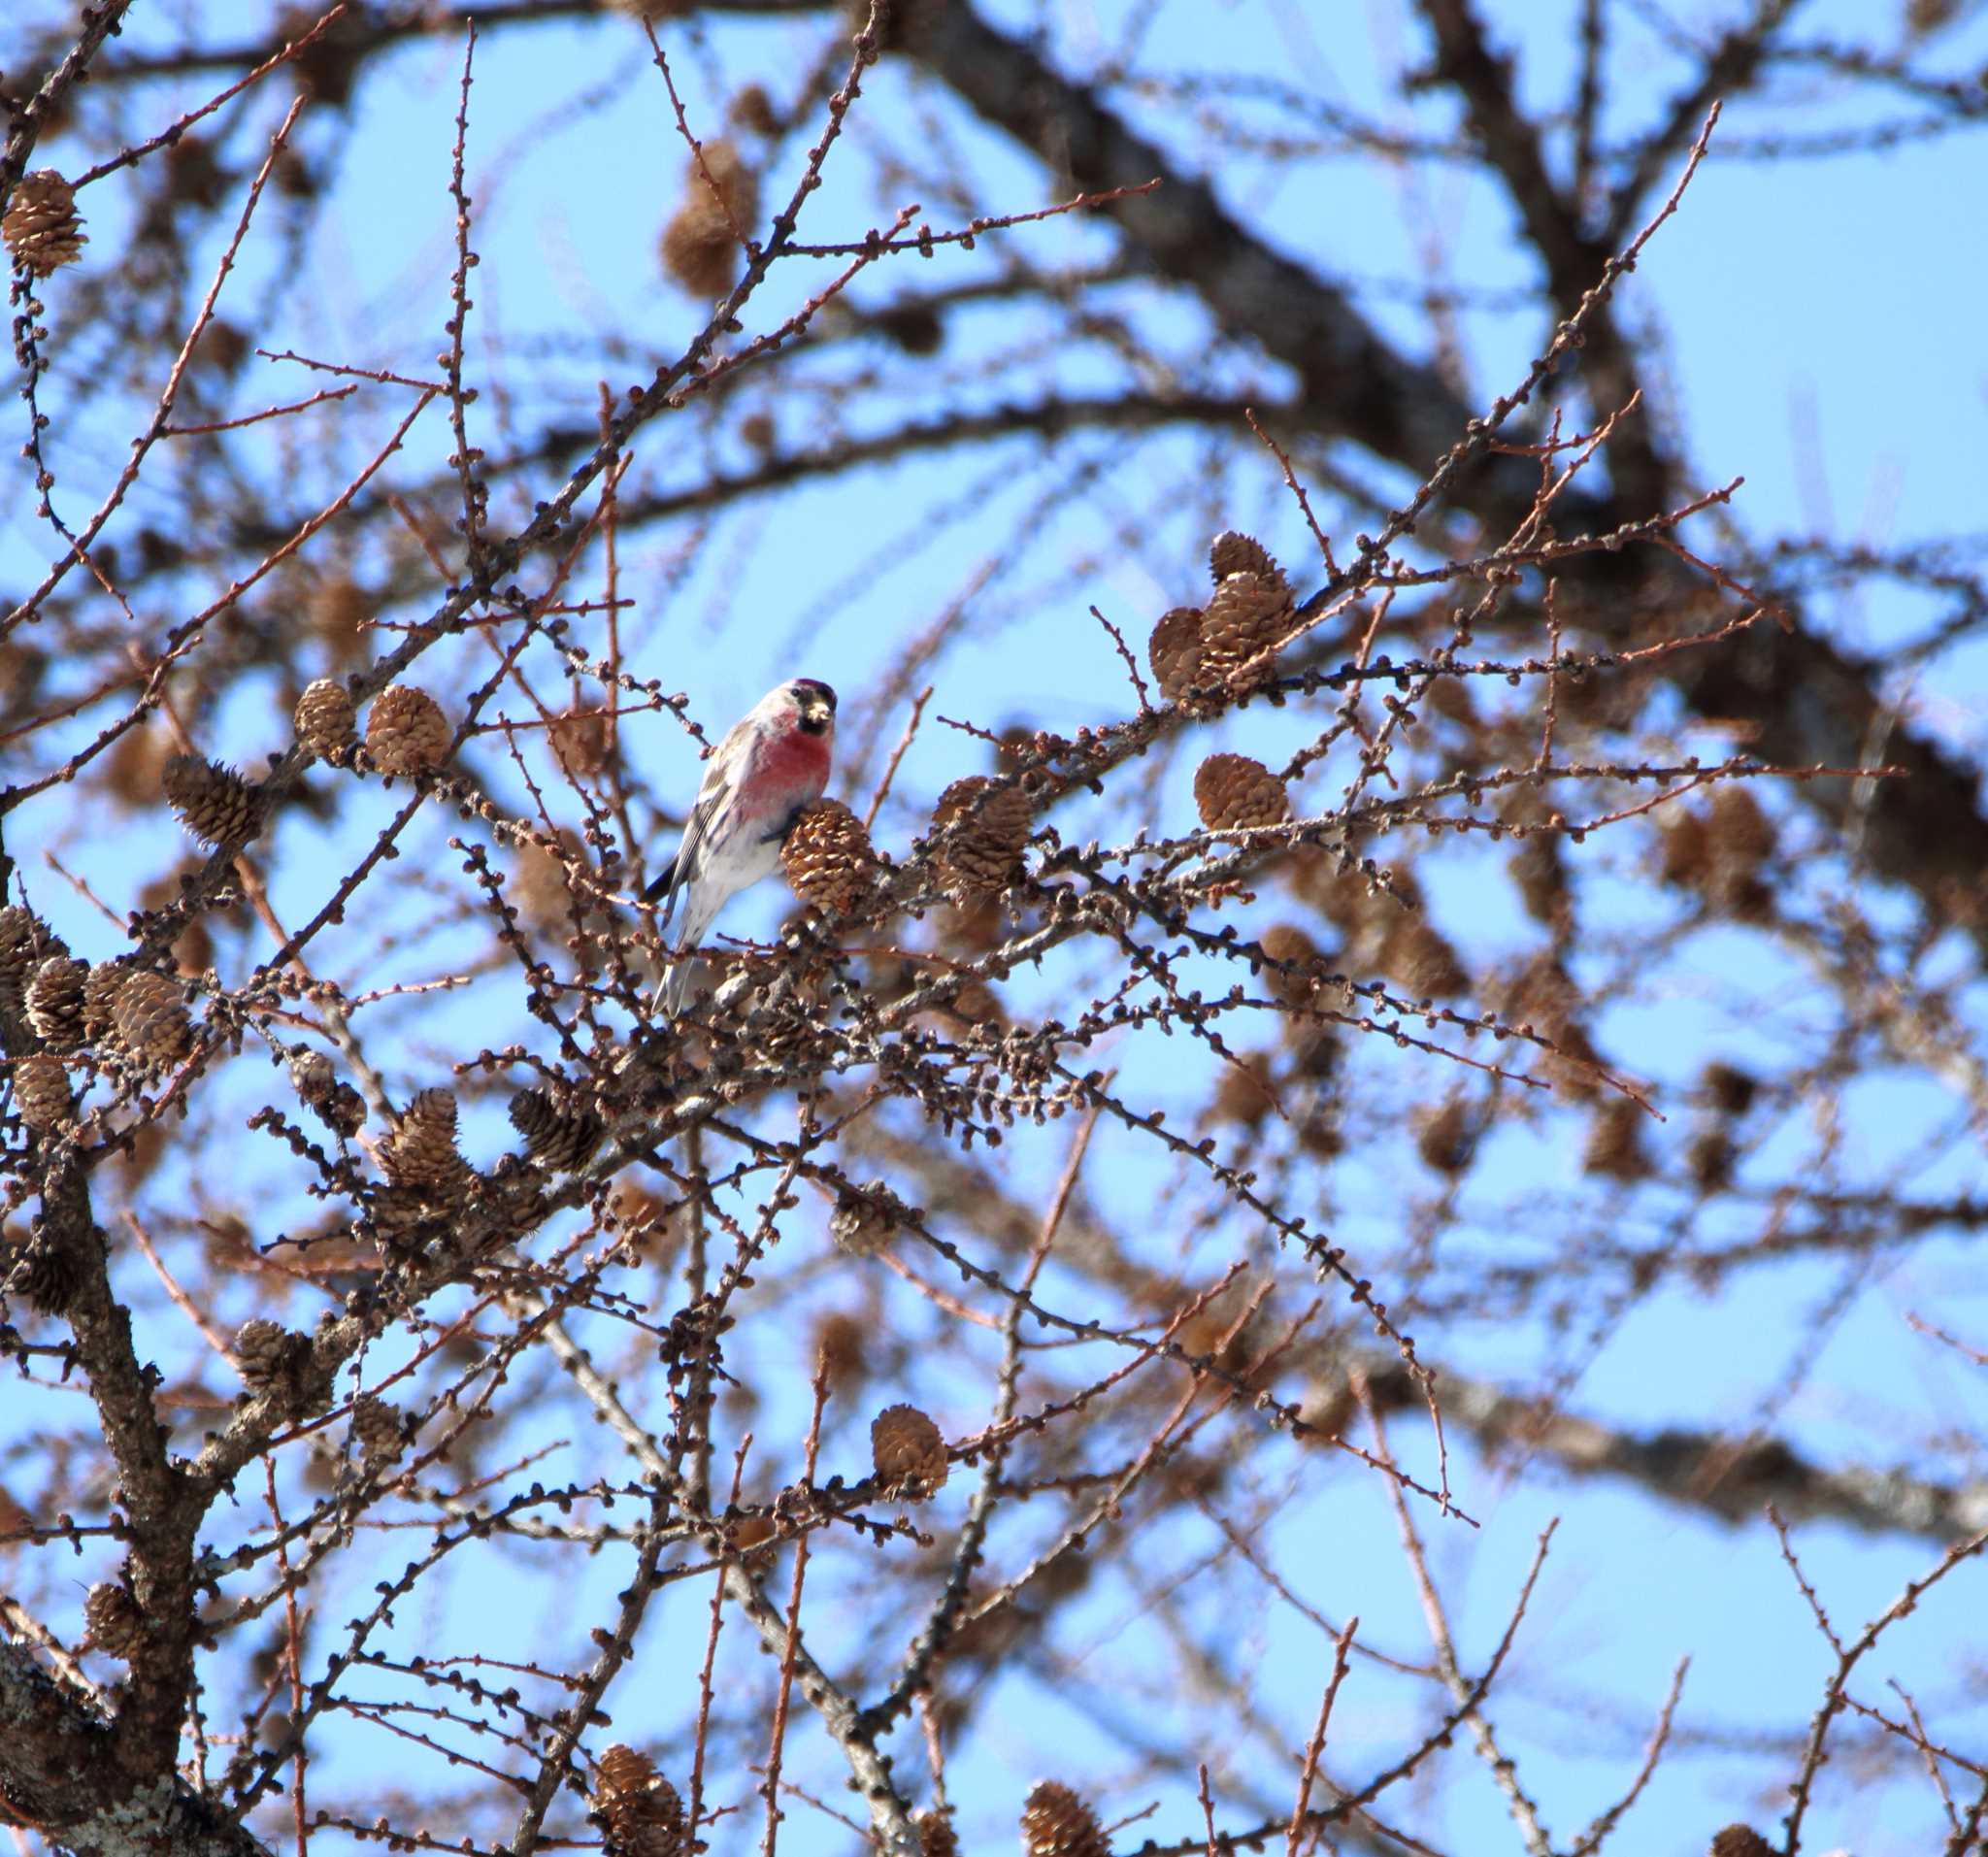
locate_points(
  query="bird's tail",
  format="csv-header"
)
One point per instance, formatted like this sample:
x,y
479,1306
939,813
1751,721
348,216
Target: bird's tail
x,y
673,990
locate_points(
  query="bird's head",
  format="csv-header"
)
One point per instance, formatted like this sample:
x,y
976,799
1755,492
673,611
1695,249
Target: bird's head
x,y
814,704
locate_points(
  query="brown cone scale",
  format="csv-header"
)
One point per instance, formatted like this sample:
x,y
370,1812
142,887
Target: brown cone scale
x,y
41,227
24,944
325,719
1249,615
1233,553
560,1129
214,803
1234,793
828,859
979,831
907,1448
1290,945
116,1624
421,1150
151,1020
637,1807
937,1837
56,1002
701,244
265,1351
405,732
1055,1822
41,1093
1174,651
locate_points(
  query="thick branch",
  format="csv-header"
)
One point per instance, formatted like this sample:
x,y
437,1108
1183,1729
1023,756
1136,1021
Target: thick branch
x,y
162,1510
1730,1478
54,1753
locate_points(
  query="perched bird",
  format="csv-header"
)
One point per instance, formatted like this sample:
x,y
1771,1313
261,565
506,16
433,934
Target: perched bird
x,y
773,763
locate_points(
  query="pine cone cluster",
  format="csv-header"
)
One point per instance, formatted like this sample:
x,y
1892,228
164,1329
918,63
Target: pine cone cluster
x,y
700,247
842,1349
377,1425
1731,1090
1544,1001
150,1020
115,1621
864,1221
580,739
1685,856
1710,1156
907,1448
41,1093
1233,793
406,731
1614,1144
53,1269
637,1807
828,859
340,610
335,1103
1245,1093
1173,651
54,1001
1538,870
1742,842
1721,853
41,227
18,952
1416,958
1296,949
421,1150
26,942
215,803
979,831
1055,1822
1248,615
1447,1138
327,69
754,112
1233,553
267,1353
561,1131
100,990
325,719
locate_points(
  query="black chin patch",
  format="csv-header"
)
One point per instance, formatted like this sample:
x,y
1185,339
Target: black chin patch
x,y
815,702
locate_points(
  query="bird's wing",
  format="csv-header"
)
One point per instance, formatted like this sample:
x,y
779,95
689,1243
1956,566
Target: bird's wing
x,y
660,884
726,768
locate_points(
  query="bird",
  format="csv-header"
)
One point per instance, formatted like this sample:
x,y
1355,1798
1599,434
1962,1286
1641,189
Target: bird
x,y
771,765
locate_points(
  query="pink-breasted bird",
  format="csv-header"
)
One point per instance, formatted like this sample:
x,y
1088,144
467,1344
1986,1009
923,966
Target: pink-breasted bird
x,y
772,762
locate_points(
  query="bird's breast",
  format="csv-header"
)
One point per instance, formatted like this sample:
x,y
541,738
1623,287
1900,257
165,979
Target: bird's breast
x,y
796,761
